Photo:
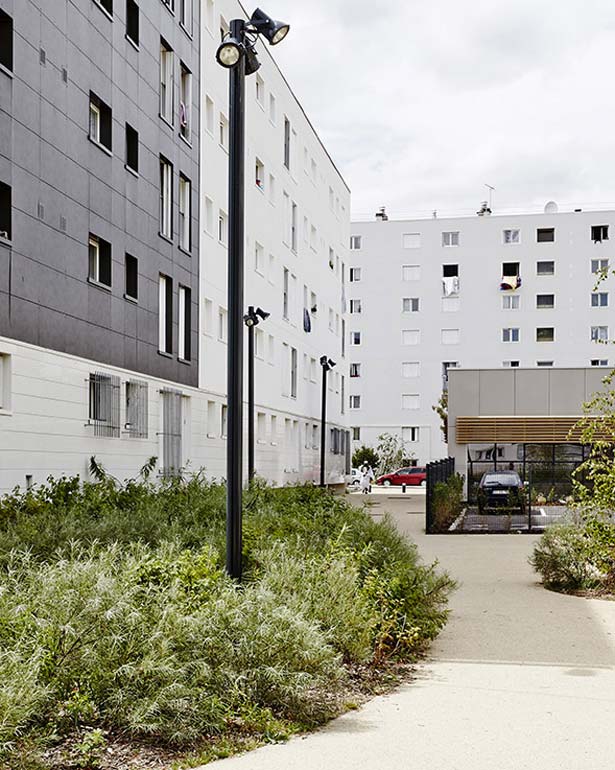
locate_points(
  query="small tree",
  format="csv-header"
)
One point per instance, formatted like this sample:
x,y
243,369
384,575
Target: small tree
x,y
365,454
391,452
441,409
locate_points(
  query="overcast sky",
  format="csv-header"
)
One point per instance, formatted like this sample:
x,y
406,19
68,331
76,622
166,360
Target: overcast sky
x,y
422,103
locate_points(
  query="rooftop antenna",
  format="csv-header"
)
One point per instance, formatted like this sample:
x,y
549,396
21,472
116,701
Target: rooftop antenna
x,y
491,191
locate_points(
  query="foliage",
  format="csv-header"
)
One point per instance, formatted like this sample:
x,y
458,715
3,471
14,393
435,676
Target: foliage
x,y
365,454
116,613
441,409
447,502
390,450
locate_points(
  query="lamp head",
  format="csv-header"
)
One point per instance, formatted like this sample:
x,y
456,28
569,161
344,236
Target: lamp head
x,y
229,52
250,320
274,31
324,361
252,62
262,313
331,363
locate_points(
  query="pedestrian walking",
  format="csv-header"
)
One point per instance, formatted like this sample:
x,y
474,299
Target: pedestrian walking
x,y
367,476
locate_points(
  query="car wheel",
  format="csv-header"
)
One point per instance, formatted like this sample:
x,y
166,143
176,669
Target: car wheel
x,y
386,483
424,483
356,483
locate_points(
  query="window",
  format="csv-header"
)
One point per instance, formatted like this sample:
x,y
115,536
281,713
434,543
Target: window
x,y
355,402
131,277
510,302
185,100
511,236
166,198
223,421
260,90
259,258
209,216
165,314
287,142
107,5
356,434
222,228
272,108
209,15
411,240
450,336
166,81
6,41
410,435
510,364
545,267
212,419
100,122
355,370
410,369
293,226
185,216
450,239
355,338
208,317
411,272
132,149
355,242
545,235
222,325
545,301
170,4
184,318
410,401
446,365
355,274
599,233
261,427
132,21
594,362
293,373
510,269
355,305
510,334
600,299
259,174
410,304
450,271
410,337
209,115
285,298
104,404
6,194
599,333
599,265
5,382
544,363
136,408
545,334
99,270
185,14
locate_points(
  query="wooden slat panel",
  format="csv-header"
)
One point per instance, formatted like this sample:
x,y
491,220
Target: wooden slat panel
x,y
530,430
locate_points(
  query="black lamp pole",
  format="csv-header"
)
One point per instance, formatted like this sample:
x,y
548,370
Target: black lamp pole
x,y
327,364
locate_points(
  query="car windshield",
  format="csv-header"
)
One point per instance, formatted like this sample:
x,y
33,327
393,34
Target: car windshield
x,y
501,479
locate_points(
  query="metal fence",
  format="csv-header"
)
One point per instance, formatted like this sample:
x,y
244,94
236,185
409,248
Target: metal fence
x,y
437,472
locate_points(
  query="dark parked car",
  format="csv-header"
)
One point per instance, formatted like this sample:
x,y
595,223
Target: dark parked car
x,y
501,489
412,476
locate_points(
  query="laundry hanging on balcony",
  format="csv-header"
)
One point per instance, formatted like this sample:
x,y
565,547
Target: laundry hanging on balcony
x,y
307,321
450,285
510,282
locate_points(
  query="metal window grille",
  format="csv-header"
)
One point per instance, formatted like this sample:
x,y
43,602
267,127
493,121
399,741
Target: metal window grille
x,y
104,406
171,432
136,408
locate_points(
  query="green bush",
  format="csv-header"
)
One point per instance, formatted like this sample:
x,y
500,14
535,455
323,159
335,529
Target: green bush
x,y
447,502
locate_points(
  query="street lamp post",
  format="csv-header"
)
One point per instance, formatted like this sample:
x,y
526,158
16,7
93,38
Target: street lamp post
x,y
327,364
237,53
252,320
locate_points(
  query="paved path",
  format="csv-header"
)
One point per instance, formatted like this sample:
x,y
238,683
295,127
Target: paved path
x,y
520,678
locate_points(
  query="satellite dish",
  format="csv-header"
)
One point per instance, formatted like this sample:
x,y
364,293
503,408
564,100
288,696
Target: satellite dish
x,y
551,208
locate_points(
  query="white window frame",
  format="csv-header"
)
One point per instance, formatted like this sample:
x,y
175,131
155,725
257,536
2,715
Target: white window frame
x,y
356,242
510,302
355,306
511,236
450,238
599,333
509,333
410,304
185,101
599,296
166,82
166,198
185,212
94,122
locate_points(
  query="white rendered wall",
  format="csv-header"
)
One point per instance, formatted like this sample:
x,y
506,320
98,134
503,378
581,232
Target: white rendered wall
x,y
477,312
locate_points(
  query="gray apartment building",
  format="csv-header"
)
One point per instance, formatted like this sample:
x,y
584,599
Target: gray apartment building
x,y
99,178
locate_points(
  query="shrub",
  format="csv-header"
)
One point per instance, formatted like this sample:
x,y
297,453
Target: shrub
x,y
447,502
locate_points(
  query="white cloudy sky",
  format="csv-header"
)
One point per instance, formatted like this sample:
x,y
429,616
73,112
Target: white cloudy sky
x,y
421,103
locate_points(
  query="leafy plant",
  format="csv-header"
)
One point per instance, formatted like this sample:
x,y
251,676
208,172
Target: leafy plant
x,y
365,454
447,502
441,409
390,450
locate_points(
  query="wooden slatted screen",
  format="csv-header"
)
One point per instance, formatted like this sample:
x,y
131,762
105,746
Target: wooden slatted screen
x,y
520,430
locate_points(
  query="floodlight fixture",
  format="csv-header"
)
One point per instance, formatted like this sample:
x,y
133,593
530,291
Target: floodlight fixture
x,y
229,52
274,31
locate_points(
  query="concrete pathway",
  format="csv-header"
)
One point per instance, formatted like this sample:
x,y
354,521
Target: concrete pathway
x,y
520,678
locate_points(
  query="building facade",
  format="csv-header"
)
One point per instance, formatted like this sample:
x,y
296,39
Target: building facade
x,y
113,237
480,292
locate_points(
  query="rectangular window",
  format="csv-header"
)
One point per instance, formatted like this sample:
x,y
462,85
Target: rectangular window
x,y
6,211
599,266
356,434
355,402
208,317
222,325
5,382
355,242
355,305
132,21
185,100
355,370
545,235
6,41
410,435
285,293
287,142
136,408
510,302
293,373
450,336
411,272
212,419
410,369
446,365
511,236
599,233
510,269
355,338
270,349
259,258
184,323
510,334
544,363
510,364
224,421
594,362
272,108
131,275
104,404
410,305
166,81
410,337
599,333
293,226
99,261
222,228
209,115
165,314
355,274
600,299
450,239
259,174
410,401
545,334
185,14
411,240
132,149
545,267
166,198
185,213
100,122
545,301
260,90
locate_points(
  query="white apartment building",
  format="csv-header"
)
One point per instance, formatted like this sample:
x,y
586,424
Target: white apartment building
x,y
474,292
143,373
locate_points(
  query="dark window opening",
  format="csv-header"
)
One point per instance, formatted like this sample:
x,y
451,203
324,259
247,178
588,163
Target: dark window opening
x,y
187,353
132,277
5,211
545,268
287,143
100,121
99,260
510,268
600,233
450,271
107,5
545,234
545,334
545,300
6,41
132,21
168,315
132,148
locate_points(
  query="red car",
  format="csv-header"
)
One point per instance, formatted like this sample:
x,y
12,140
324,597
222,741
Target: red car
x,y
411,476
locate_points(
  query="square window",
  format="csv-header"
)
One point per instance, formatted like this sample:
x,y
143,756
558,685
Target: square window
x,y
100,122
450,271
132,21
411,272
6,211
410,337
411,240
450,336
599,333
510,269
410,435
131,275
510,334
355,242
410,369
6,41
545,235
132,148
545,301
599,233
600,299
450,239
599,266
99,261
410,304
511,236
545,334
510,302
410,401
545,267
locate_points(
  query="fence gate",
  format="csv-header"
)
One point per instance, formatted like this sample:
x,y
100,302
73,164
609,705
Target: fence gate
x,y
438,471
